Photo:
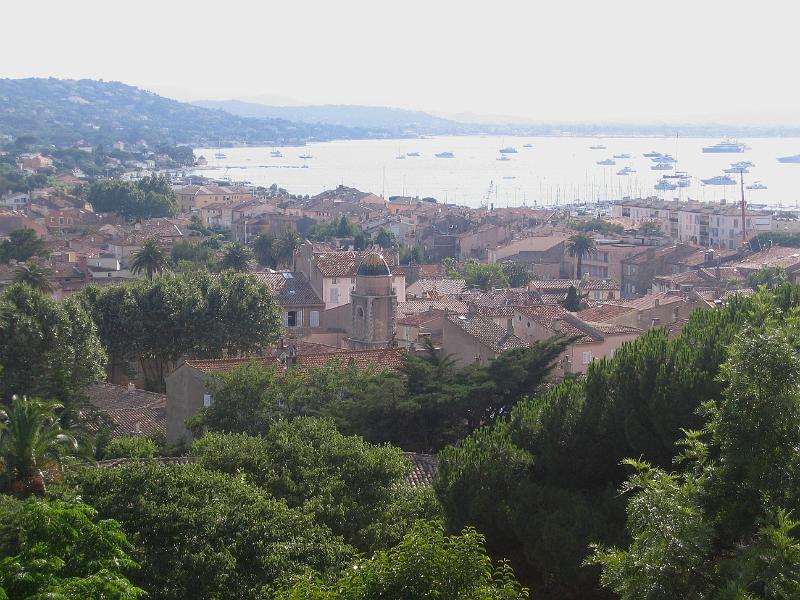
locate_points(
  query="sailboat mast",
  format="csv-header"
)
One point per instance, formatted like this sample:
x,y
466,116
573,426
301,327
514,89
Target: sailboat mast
x,y
744,213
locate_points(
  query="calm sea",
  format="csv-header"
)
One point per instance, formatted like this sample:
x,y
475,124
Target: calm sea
x,y
554,170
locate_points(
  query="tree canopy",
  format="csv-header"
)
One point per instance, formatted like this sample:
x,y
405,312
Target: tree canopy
x,y
425,565
541,483
59,549
721,526
21,245
156,322
48,349
207,534
148,197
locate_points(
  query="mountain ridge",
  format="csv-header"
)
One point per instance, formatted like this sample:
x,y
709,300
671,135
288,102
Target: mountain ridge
x,y
66,112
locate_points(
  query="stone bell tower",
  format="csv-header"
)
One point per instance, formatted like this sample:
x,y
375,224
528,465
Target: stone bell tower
x,y
374,304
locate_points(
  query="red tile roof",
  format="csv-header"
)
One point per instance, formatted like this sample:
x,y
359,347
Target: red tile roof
x,y
290,289
412,307
439,287
345,263
603,312
487,332
384,358
132,412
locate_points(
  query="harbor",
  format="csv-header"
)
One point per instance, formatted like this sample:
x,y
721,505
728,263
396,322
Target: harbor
x,y
525,171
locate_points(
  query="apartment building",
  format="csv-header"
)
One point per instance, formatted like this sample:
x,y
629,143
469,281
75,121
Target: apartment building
x,y
703,224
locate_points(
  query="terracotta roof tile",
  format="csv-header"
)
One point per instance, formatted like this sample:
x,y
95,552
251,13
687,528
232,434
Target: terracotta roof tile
x,y
487,332
385,358
345,263
423,469
290,289
412,307
651,300
602,312
423,466
420,318
439,287
132,412
613,328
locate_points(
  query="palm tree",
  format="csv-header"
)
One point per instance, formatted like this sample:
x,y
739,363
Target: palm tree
x,y
236,257
264,249
35,276
150,259
286,244
578,245
31,439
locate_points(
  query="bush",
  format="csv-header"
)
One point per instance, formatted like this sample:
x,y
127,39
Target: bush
x,y
131,447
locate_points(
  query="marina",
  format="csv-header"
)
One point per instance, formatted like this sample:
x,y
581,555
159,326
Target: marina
x,y
561,169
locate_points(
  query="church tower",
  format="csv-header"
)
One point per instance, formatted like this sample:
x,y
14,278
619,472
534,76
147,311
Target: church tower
x,y
374,304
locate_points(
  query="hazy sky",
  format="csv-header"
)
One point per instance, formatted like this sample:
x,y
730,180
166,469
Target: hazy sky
x,y
726,61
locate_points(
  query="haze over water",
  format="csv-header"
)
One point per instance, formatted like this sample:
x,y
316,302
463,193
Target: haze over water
x,y
556,170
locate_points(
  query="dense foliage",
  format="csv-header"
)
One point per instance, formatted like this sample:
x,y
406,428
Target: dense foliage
x,y
157,322
541,485
765,239
60,550
431,403
31,441
352,487
482,276
596,225
21,245
48,349
425,565
146,198
721,526
206,534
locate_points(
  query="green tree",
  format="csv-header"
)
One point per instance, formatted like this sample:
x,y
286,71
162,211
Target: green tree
x,y
264,248
206,534
484,277
425,565
572,302
21,245
768,276
203,316
720,528
517,274
236,257
600,225
578,246
35,276
150,259
542,482
411,254
347,484
385,239
285,246
60,550
130,447
650,229
31,439
196,254
48,349
149,197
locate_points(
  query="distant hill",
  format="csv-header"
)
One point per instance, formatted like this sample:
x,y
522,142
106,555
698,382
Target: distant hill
x,y
401,123
86,112
395,120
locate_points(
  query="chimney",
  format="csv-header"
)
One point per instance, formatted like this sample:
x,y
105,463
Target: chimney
x,y
510,326
656,302
131,386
